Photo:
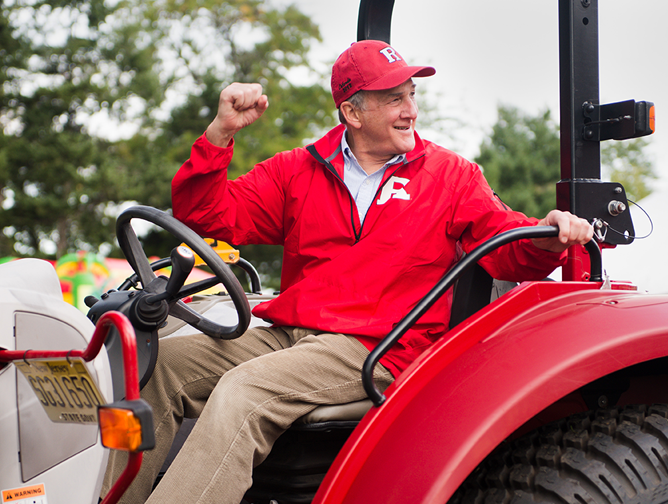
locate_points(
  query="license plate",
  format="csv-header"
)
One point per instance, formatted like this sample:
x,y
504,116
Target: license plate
x,y
64,388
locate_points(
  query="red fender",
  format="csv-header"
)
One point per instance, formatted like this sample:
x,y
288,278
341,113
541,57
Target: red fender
x,y
484,380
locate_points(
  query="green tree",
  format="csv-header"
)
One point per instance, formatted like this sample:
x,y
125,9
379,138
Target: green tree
x,y
66,61
156,67
628,162
520,160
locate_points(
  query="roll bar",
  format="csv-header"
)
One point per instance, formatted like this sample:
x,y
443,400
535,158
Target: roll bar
x,y
447,281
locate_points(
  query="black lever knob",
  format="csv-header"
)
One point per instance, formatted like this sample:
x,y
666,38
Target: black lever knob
x,y
183,261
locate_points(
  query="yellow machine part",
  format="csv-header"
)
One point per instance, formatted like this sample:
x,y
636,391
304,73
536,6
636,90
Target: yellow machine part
x,y
226,252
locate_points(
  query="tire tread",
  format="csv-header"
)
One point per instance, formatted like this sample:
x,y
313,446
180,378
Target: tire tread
x,y
611,456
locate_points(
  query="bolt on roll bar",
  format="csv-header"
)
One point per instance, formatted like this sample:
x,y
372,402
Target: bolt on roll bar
x,y
447,281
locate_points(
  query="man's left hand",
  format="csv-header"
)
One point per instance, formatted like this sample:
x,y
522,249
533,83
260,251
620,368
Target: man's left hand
x,y
572,230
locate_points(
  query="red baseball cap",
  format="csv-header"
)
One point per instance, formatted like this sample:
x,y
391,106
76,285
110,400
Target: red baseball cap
x,y
371,65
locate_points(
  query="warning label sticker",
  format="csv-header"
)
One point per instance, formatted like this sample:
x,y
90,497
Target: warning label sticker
x,y
34,494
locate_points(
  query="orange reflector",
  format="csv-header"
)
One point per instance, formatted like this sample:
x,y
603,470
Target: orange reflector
x,y
120,428
651,118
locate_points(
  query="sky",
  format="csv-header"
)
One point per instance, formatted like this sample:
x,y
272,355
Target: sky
x,y
492,52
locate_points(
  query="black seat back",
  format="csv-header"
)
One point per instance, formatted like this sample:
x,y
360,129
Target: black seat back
x,y
471,293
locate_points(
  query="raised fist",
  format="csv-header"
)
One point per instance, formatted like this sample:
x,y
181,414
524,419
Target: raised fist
x,y
239,106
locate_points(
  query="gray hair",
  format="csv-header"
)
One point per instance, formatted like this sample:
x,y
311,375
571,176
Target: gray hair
x,y
358,100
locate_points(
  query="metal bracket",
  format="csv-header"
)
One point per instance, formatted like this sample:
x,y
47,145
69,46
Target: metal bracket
x,y
602,203
618,121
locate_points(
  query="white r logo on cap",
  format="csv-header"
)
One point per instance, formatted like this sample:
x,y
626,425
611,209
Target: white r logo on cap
x,y
389,53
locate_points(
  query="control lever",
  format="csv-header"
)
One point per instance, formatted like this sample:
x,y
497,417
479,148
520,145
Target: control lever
x,y
183,261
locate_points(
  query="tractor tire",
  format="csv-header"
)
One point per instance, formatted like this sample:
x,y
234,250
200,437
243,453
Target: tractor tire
x,y
613,456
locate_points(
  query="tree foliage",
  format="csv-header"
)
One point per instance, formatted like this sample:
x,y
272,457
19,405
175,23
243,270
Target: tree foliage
x,y
628,162
64,64
153,69
520,160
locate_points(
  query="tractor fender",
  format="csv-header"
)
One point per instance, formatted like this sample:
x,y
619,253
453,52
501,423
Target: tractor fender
x,y
484,379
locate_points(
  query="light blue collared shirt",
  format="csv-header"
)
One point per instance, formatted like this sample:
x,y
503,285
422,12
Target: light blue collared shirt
x,y
362,187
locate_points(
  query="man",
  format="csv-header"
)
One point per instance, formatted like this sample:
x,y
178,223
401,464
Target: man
x,y
370,217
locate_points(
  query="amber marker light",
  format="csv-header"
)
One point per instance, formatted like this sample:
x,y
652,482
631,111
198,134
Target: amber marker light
x,y
127,426
651,119
120,429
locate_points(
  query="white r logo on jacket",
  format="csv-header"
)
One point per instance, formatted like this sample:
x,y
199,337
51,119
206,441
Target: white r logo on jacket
x,y
394,188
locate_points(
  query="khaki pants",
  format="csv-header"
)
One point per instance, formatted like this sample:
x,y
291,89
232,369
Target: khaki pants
x,y
246,393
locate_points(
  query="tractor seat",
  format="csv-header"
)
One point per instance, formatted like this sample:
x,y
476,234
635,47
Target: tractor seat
x,y
328,414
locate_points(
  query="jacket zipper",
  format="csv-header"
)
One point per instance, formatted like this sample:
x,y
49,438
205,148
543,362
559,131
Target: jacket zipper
x,y
312,150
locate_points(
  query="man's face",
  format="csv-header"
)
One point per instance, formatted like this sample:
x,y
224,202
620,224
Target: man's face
x,y
388,120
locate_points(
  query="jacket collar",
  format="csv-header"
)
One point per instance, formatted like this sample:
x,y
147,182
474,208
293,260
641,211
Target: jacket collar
x,y
329,149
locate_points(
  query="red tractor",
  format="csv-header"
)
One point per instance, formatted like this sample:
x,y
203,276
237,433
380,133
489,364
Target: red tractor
x,y
551,392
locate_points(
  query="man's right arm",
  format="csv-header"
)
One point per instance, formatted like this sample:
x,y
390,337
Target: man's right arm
x,y
203,198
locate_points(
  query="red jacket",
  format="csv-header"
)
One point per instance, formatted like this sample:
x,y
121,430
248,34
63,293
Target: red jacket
x,y
343,276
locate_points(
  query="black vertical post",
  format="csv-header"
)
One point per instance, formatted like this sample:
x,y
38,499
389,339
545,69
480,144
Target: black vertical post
x,y
579,85
374,20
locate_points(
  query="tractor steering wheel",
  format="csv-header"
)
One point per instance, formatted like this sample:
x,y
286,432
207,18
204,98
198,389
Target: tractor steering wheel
x,y
136,256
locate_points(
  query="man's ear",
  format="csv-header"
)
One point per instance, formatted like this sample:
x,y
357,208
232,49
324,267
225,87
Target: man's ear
x,y
351,115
